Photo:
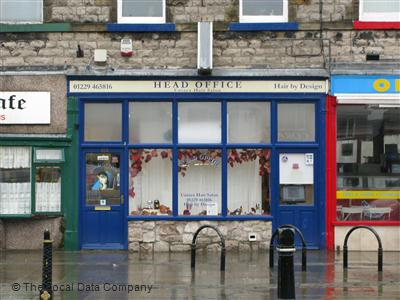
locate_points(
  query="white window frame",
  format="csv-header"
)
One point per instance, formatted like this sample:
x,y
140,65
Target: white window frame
x,y
377,17
141,20
264,19
26,22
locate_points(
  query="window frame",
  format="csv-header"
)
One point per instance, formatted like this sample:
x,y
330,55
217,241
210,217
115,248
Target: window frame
x,y
265,18
377,16
141,20
26,22
32,173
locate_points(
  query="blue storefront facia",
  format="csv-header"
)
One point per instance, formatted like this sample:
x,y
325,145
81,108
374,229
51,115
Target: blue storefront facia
x,y
317,147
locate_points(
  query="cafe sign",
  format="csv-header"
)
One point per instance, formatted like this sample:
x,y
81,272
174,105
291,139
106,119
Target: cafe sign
x,y
198,86
24,108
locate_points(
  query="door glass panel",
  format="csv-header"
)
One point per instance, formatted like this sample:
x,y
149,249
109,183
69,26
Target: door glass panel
x,y
102,178
103,122
296,178
296,122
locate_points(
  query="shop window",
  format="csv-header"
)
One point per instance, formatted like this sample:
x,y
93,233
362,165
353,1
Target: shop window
x,y
48,189
249,122
259,11
249,182
296,122
199,184
15,180
49,155
380,10
150,122
150,182
103,122
368,163
199,122
141,11
21,11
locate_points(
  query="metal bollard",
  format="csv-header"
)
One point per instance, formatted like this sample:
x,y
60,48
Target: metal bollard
x,y
286,249
46,291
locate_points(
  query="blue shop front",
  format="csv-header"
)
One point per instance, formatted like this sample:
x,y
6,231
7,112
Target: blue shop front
x,y
224,150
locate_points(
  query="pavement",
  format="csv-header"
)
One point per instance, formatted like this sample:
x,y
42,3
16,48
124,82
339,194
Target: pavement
x,y
125,275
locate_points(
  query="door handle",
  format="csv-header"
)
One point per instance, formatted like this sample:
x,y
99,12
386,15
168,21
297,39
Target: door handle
x,y
122,199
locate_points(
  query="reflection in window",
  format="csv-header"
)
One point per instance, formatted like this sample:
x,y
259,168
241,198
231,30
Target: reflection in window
x,y
21,11
199,122
380,10
150,122
368,163
141,11
150,184
296,122
48,189
263,10
15,180
249,122
199,184
102,179
249,182
103,122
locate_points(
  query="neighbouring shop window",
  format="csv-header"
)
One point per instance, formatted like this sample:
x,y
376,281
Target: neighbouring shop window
x,y
368,163
150,122
296,122
21,11
103,122
249,122
199,183
380,10
199,122
141,11
15,180
249,182
296,178
150,182
103,179
263,11
48,189
49,155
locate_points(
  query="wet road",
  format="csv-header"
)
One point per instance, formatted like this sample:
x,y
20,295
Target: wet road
x,y
123,275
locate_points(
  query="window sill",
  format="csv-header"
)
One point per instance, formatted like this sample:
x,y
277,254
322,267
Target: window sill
x,y
201,218
45,27
165,27
290,26
362,25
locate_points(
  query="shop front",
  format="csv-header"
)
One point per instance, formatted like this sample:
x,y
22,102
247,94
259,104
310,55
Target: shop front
x,y
35,160
159,157
366,117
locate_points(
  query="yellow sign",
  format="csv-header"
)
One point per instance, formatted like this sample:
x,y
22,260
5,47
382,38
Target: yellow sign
x,y
368,195
197,86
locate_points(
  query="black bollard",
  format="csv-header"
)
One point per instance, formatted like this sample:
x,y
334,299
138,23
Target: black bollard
x,y
46,292
286,249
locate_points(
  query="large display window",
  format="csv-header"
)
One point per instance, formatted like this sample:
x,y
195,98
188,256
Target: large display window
x,y
368,163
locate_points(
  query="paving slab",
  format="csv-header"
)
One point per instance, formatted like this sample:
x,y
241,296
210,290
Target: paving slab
x,y
125,275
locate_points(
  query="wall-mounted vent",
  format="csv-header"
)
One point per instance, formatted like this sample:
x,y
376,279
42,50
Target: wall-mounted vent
x,y
204,47
372,57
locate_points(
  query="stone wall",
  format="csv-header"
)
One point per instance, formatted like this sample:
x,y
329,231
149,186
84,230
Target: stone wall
x,y
175,236
189,11
17,234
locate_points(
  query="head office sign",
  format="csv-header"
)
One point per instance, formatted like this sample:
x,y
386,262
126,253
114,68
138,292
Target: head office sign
x,y
24,108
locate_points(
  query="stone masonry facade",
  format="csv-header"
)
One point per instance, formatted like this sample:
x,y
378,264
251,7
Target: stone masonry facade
x,y
176,236
325,37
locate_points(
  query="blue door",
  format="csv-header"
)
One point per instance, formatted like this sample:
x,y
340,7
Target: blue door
x,y
298,194
102,205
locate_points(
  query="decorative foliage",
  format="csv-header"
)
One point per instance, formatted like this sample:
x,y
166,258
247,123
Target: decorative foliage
x,y
244,155
138,156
